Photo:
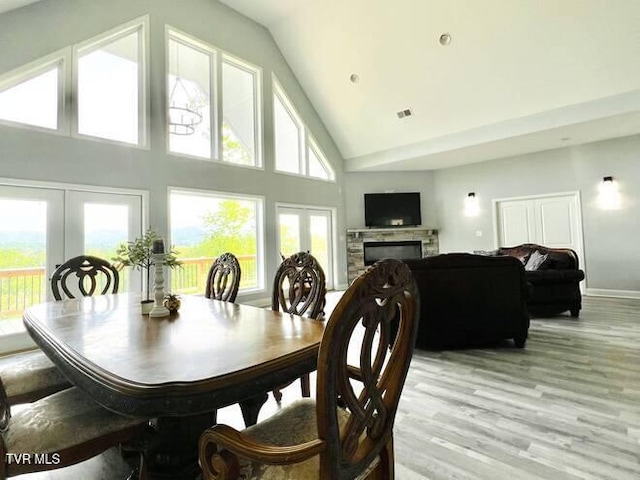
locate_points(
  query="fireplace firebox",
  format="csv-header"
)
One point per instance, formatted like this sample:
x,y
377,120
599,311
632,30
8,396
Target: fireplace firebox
x,y
374,251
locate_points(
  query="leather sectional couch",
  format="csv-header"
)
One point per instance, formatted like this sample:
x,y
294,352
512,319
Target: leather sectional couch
x,y
470,300
554,283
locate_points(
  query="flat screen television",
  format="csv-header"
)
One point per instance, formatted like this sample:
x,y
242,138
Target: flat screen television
x,y
392,209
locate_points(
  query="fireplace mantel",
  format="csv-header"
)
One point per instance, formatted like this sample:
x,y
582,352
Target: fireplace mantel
x,y
356,237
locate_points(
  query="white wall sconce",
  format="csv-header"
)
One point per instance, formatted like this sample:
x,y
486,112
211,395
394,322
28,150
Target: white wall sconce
x,y
471,205
609,198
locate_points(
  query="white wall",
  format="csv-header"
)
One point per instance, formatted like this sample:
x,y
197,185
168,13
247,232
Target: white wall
x,y
39,29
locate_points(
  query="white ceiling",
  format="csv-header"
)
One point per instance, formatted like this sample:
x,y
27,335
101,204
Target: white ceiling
x,y
518,76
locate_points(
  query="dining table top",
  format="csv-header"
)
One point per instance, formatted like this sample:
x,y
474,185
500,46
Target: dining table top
x,y
209,353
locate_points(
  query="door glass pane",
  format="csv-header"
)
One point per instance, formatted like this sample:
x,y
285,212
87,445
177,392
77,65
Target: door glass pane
x,y
290,241
205,226
319,230
23,241
239,116
108,90
33,102
189,100
106,227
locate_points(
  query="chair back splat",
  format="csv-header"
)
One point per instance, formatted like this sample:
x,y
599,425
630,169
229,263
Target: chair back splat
x,y
299,286
381,310
85,276
223,280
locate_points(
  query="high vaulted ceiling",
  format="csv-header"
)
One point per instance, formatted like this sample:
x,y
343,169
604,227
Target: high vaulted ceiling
x,y
518,76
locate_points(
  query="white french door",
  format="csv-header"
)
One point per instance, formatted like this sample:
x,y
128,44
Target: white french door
x,y
307,229
40,228
97,223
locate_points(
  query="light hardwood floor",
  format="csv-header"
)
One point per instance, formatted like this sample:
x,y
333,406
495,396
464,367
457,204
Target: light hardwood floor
x,y
567,406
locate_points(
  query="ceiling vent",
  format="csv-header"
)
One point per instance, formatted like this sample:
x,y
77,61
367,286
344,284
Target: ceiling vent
x,y
404,113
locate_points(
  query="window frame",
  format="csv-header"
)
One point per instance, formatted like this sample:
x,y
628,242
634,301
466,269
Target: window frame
x,y
218,56
260,226
256,72
306,141
192,42
141,26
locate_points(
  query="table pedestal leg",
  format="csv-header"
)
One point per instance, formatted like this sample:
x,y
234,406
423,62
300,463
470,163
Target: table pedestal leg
x,y
173,452
251,408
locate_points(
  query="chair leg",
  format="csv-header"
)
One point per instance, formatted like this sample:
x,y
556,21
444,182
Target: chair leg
x,y
305,384
277,394
387,467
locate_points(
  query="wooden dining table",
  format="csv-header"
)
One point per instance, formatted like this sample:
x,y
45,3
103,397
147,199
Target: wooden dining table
x,y
177,370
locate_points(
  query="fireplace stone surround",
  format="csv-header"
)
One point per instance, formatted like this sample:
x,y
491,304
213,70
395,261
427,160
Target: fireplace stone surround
x,y
356,238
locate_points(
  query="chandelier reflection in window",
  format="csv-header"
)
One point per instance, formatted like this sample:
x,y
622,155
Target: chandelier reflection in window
x,y
185,101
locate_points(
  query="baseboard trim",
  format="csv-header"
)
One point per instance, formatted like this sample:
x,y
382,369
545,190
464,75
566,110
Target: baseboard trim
x,y
604,292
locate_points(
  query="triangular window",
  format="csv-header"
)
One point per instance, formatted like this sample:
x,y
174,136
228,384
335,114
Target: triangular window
x,y
318,165
33,98
296,150
289,134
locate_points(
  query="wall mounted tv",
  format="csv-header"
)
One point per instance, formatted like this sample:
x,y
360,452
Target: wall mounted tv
x,y
392,209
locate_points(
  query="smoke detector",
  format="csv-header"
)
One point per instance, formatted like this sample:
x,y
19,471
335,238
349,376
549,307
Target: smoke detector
x,y
445,39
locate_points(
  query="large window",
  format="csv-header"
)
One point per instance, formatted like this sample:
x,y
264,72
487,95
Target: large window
x,y
223,126
240,117
205,225
295,149
111,97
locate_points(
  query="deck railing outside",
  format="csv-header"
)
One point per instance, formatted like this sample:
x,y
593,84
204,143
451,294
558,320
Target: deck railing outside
x,y
22,287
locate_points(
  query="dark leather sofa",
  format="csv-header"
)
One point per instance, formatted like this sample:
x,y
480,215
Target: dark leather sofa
x,y
554,287
470,300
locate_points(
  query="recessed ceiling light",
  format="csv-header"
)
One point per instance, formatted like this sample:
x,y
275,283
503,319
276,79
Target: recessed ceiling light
x,y
354,78
445,39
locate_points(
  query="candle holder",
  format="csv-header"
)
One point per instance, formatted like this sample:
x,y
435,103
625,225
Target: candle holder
x,y
159,310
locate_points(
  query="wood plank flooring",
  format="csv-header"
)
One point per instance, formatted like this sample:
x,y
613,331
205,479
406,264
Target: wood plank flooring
x,y
565,407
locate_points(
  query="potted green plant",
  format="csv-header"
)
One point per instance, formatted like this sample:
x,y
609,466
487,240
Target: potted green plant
x,y
139,255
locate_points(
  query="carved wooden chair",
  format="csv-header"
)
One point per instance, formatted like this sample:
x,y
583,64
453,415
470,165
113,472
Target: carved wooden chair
x,y
61,430
223,280
347,433
30,376
299,288
84,275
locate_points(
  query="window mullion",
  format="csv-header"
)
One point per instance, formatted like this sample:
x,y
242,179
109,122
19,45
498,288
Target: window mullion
x,y
216,105
65,92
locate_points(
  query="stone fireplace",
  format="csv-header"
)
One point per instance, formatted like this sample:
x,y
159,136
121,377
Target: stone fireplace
x,y
366,245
